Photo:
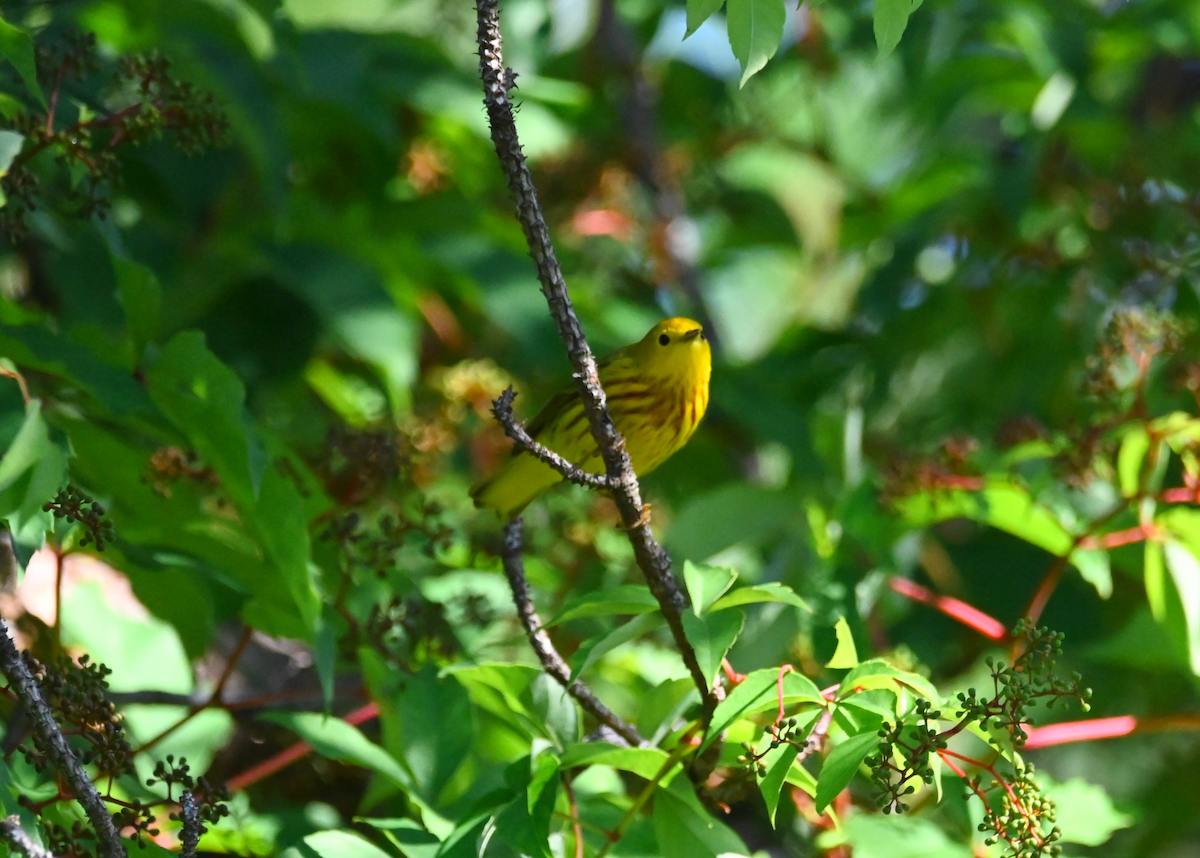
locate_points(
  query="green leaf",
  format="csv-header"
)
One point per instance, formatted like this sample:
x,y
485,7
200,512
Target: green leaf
x,y
205,401
1184,567
343,844
1134,447
1095,568
772,591
334,739
706,584
644,762
662,704
711,637
32,471
626,599
17,47
840,766
524,824
1002,504
891,19
777,763
876,673
1084,813
699,11
755,30
10,146
140,297
411,839
846,655
594,649
684,829
759,692
1154,572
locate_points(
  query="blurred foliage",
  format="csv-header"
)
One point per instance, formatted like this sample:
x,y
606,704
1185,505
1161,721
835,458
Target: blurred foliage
x,y
261,280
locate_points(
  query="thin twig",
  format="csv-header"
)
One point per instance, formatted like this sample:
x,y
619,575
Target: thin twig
x,y
47,729
552,662
503,411
626,493
193,827
18,839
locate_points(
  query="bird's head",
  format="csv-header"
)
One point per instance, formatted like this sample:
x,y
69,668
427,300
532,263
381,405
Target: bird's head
x,y
674,348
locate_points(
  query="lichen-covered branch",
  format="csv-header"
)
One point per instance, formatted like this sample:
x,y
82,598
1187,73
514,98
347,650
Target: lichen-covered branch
x,y
626,493
552,662
19,841
21,680
193,827
503,411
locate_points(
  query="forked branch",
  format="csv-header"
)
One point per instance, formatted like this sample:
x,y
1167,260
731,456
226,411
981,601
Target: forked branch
x,y
623,482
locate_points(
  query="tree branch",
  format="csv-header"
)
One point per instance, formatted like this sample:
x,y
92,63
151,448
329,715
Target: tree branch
x,y
651,558
552,662
502,409
19,841
22,681
189,814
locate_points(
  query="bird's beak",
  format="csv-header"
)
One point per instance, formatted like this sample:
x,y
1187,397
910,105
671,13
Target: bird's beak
x,y
692,334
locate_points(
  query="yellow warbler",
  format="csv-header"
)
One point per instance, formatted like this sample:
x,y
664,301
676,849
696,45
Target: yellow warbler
x,y
657,392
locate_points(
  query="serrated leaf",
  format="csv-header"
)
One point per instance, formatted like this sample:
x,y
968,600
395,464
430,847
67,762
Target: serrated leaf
x,y
706,584
1094,567
17,47
594,649
1134,447
1154,573
1184,567
876,673
846,655
755,30
644,762
684,828
840,766
626,599
10,146
891,20
769,592
711,637
699,11
758,692
140,297
777,763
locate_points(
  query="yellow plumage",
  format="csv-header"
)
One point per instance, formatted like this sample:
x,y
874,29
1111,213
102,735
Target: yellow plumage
x,y
657,392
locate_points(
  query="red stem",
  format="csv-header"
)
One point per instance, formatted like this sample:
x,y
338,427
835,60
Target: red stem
x,y
295,752
956,609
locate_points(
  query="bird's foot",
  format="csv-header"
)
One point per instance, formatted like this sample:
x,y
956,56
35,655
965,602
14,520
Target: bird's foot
x,y
643,519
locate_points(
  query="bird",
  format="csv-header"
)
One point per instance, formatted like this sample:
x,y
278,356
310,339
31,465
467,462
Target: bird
x,y
657,390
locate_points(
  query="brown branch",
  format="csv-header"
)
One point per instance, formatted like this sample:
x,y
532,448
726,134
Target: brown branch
x,y
651,558
552,662
503,411
12,662
19,841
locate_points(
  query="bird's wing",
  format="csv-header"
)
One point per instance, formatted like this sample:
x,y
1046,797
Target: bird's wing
x,y
562,401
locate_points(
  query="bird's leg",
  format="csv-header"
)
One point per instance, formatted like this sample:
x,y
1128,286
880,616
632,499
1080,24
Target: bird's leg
x,y
644,518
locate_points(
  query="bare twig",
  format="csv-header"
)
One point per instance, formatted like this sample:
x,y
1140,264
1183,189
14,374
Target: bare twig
x,y
551,661
21,680
18,839
503,411
626,493
189,814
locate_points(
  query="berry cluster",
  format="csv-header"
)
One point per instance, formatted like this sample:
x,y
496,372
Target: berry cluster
x,y
76,505
68,157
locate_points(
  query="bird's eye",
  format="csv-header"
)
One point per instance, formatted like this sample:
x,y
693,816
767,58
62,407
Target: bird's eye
x,y
663,339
